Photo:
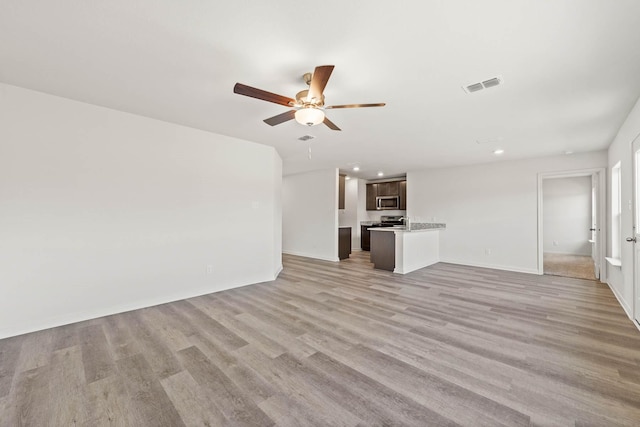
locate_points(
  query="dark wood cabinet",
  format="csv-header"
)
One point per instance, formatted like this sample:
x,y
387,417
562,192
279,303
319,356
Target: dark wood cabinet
x,y
383,250
341,190
388,188
403,195
372,193
365,237
344,242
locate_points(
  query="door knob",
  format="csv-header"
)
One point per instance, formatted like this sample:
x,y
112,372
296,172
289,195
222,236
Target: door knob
x,y
631,239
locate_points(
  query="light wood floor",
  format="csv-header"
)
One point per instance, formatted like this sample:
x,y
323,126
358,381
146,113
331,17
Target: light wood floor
x,y
340,344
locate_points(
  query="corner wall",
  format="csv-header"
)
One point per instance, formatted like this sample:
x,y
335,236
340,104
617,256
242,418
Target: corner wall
x,y
310,214
620,279
490,209
348,217
103,211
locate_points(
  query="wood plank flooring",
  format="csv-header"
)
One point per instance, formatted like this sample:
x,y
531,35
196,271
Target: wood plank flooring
x,y
340,344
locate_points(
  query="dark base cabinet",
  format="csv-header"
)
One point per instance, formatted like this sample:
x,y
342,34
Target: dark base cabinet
x,y
344,242
364,237
383,255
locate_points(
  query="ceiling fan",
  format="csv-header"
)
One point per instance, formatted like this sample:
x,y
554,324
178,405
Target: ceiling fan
x,y
308,105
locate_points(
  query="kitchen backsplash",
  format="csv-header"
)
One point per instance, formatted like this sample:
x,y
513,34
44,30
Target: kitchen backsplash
x,y
375,215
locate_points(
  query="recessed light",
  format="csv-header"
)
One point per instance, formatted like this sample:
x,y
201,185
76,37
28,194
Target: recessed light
x,y
380,174
356,168
498,151
347,177
567,152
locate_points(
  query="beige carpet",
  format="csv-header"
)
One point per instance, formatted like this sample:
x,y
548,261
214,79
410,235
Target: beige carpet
x,y
578,266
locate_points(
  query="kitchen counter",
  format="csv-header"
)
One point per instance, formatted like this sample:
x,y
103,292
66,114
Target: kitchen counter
x,y
419,226
403,251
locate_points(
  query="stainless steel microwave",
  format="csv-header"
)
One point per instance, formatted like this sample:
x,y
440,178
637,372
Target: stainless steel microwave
x,y
387,202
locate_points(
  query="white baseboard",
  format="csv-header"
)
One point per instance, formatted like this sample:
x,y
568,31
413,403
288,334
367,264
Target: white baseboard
x,y
81,316
493,266
567,253
622,303
278,271
307,255
412,268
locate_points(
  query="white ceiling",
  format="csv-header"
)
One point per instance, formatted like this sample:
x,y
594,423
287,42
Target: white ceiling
x,y
571,71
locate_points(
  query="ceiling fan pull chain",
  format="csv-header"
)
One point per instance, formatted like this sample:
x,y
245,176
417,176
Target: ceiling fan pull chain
x,y
309,151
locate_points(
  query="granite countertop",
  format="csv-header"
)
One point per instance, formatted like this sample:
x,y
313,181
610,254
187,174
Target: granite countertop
x,y
427,225
415,227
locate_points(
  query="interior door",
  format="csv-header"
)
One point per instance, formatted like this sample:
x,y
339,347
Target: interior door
x,y
595,225
634,239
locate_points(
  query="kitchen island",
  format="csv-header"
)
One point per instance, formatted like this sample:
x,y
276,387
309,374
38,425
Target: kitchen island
x,y
403,251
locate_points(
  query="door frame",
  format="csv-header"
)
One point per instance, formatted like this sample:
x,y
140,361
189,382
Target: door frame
x,y
601,206
635,231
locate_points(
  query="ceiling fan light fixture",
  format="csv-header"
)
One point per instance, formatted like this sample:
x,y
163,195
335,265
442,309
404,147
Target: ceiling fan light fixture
x,y
308,106
309,116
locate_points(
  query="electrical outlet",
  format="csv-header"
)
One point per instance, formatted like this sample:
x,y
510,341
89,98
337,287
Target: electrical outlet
x,y
209,268
555,243
487,251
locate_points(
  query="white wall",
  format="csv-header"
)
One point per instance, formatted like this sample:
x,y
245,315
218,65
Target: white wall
x,y
620,279
348,217
103,211
567,215
277,213
310,214
363,214
490,209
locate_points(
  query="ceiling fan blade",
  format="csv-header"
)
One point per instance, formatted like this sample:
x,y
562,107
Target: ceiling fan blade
x,y
330,124
253,92
319,81
382,104
281,118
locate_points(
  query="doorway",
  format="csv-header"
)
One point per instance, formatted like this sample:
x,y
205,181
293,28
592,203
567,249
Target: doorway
x,y
570,209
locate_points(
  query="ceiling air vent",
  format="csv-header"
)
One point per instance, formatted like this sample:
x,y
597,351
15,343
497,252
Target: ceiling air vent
x,y
306,137
475,87
491,82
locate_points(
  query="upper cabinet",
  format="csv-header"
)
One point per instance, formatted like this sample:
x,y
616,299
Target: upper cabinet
x,y
341,190
387,189
372,193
